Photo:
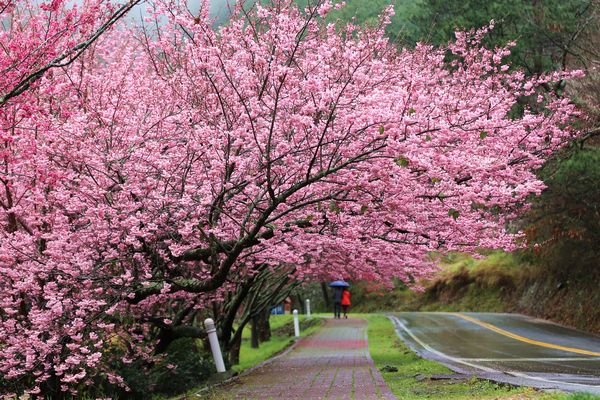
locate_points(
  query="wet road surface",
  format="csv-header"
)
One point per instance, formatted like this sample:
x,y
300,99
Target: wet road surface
x,y
507,348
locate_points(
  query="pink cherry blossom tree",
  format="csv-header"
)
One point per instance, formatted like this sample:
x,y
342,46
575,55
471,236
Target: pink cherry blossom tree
x,y
39,36
149,177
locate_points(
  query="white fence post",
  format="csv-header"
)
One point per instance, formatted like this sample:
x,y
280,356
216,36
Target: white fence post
x,y
209,325
296,324
308,308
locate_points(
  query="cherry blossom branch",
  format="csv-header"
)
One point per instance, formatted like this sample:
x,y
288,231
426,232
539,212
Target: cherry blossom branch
x,y
68,56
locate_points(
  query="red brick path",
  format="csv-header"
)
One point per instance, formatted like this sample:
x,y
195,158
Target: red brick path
x,y
331,364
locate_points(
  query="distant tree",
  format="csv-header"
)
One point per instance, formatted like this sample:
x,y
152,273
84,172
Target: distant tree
x,y
564,223
403,28
546,32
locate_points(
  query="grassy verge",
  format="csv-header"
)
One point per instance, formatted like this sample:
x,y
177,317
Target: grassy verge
x,y
463,283
411,380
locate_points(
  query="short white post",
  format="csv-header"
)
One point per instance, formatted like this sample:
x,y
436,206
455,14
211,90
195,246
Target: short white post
x,y
209,325
308,308
296,324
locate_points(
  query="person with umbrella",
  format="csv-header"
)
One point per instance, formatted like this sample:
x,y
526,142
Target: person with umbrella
x,y
338,291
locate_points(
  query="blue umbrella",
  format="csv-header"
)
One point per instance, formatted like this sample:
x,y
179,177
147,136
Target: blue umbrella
x,y
339,284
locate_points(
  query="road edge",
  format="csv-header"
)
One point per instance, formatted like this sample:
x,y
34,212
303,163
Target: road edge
x,y
512,378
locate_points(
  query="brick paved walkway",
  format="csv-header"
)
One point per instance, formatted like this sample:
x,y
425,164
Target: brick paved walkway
x,y
334,363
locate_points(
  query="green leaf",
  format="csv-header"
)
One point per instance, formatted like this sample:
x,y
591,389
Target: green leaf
x,y
411,110
333,207
401,161
363,209
428,138
482,135
453,213
435,180
381,130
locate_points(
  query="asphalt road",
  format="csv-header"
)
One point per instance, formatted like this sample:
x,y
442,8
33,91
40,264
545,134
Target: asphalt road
x,y
507,348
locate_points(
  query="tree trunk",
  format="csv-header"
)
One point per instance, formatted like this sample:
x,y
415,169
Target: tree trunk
x,y
301,303
254,333
51,388
234,350
264,326
325,295
164,340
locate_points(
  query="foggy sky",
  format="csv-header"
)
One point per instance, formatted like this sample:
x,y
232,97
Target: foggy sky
x,y
219,9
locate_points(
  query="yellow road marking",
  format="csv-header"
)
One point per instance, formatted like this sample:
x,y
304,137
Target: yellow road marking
x,y
524,339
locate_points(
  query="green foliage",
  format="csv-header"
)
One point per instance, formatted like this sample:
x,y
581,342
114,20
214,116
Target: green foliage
x,y
582,167
499,260
453,213
402,29
182,368
543,30
564,221
462,284
401,161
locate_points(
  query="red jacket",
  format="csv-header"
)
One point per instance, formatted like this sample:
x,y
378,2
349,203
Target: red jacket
x,y
346,298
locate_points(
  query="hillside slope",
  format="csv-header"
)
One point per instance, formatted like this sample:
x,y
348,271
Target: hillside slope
x,y
500,282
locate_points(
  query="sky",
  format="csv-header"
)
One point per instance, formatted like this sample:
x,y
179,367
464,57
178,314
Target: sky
x,y
218,9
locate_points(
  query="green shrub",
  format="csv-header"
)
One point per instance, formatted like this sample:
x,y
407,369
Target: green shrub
x,y
183,368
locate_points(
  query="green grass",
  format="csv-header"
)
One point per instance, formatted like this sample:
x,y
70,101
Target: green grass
x,y
498,260
277,322
387,349
581,396
473,298
468,284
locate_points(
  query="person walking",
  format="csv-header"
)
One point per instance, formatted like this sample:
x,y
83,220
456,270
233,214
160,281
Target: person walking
x,y
337,301
345,302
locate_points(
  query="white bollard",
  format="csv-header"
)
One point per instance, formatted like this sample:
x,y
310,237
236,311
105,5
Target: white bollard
x,y
296,324
209,325
308,308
